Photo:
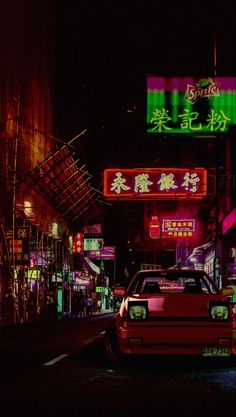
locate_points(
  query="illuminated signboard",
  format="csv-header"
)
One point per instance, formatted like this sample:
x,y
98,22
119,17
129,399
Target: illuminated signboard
x,y
152,183
93,244
93,229
173,228
106,253
80,279
78,243
190,105
19,246
33,274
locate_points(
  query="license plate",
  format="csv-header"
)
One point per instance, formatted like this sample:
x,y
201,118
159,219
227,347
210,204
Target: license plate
x,y
216,351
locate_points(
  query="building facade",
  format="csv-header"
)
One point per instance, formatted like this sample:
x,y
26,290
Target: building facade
x,y
45,197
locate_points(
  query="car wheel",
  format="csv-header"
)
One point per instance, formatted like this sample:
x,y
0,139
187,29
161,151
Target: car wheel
x,y
112,344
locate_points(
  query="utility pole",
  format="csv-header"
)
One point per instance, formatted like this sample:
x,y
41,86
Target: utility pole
x,y
15,152
15,155
217,276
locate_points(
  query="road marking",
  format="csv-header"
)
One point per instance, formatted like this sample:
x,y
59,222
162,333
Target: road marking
x,y
90,380
87,342
58,358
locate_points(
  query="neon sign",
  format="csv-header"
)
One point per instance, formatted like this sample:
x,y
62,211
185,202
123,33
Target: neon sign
x,y
173,228
152,183
106,253
190,105
93,244
78,243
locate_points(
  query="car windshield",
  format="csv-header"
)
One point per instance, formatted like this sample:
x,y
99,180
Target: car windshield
x,y
171,282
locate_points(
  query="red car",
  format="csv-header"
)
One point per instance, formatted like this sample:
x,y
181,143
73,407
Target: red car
x,y
172,312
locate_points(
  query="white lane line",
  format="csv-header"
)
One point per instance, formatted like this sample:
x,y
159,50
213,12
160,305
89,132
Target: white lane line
x,y
93,378
89,341
58,358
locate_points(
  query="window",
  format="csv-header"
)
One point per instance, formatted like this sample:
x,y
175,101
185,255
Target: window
x,y
171,282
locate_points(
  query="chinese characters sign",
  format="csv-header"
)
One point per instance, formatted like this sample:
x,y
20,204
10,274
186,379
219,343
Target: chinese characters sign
x,y
20,246
184,228
152,183
78,243
190,105
93,244
93,229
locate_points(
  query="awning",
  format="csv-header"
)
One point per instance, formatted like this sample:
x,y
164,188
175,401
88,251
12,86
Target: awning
x,y
67,188
91,266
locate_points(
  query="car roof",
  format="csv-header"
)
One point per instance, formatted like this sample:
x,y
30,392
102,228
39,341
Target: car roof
x,y
178,270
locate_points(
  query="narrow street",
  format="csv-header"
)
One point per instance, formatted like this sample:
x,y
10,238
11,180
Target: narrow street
x,y
61,369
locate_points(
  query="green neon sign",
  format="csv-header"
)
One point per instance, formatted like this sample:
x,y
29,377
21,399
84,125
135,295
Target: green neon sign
x,y
188,105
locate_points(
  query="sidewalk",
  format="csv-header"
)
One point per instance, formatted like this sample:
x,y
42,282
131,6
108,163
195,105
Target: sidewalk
x,y
102,312
96,313
7,328
105,311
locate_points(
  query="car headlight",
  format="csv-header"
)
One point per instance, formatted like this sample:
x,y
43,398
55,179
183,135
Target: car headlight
x,y
219,310
138,310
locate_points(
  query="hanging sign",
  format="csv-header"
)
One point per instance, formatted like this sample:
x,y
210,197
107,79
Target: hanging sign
x,y
173,228
78,243
93,229
155,183
93,244
19,247
106,253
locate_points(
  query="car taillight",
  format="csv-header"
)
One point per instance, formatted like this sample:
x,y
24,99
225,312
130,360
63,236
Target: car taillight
x,y
219,310
138,310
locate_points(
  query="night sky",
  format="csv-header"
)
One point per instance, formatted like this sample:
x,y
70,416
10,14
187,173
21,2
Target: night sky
x,y
101,52
105,49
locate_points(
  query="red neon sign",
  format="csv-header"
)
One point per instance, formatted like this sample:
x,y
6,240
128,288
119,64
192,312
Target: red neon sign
x,y
150,183
78,243
154,228
173,228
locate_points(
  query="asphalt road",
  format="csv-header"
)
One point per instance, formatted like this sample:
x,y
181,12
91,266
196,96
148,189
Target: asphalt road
x,y
60,369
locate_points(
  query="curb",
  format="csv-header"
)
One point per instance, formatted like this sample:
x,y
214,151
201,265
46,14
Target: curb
x,y
6,329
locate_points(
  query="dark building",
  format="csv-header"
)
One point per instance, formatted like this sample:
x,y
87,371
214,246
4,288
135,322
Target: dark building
x,y
45,194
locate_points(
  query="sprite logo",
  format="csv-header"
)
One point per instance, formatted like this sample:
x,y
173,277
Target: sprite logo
x,y
204,88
